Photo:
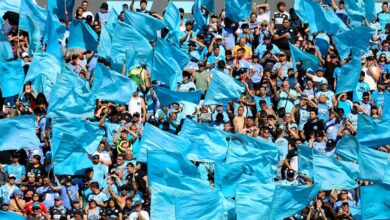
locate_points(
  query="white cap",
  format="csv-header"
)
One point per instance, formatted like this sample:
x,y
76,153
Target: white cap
x,y
25,54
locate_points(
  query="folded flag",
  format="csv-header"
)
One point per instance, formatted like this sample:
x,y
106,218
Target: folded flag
x,y
347,76
347,148
87,134
11,78
71,158
374,165
71,97
223,88
34,37
42,73
112,86
208,144
375,201
9,5
20,128
334,174
308,60
82,36
371,132
166,142
172,17
167,97
237,10
346,41
299,8
289,200
163,71
138,21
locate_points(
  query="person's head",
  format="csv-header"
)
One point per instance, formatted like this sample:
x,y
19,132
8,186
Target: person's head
x,y
324,85
136,117
30,177
121,16
265,132
313,114
385,45
36,209
288,117
11,179
245,27
381,86
216,51
58,201
345,207
79,12
281,6
240,53
104,7
228,55
92,204
366,97
253,17
120,159
240,111
96,159
227,127
286,85
143,4
290,174
94,187
84,5
362,76
181,10
309,84
138,206
343,194
35,197
242,42
385,6
173,114
320,71
15,158
189,26
286,23
322,99
130,167
263,105
250,121
111,203
5,206
282,57
319,204
341,4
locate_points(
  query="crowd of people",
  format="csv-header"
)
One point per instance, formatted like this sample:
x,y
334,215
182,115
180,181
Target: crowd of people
x,y
282,103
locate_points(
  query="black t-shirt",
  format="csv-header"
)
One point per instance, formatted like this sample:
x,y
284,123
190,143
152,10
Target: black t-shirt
x,y
313,126
58,213
292,153
74,211
127,211
113,212
138,176
283,43
38,171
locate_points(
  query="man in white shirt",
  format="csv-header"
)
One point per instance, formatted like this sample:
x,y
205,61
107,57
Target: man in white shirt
x,y
84,6
139,213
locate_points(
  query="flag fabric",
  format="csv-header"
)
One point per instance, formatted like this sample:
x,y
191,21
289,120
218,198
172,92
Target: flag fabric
x,y
374,165
347,148
202,205
6,52
71,97
51,39
9,5
87,134
11,78
34,37
112,86
289,200
136,56
43,72
69,5
371,132
112,20
346,41
375,201
208,144
347,76
71,157
237,10
308,60
305,161
223,88
360,9
167,97
11,215
138,20
172,53
166,141
111,129
172,17
334,174
209,5
386,107
254,201
199,18
175,162
126,37
105,41
57,7
18,132
164,72
82,36
299,8
185,181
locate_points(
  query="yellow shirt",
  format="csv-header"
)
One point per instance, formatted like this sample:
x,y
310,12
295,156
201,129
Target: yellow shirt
x,y
248,51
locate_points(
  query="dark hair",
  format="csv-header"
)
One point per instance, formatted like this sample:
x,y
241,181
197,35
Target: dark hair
x,y
228,52
143,1
280,4
94,184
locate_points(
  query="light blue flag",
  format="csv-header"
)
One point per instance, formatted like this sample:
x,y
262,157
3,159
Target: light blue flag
x,y
112,20
288,200
112,86
71,97
184,181
242,148
375,201
305,161
172,17
111,130
20,128
154,138
347,76
356,212
374,165
34,37
172,53
105,41
11,78
51,38
199,17
254,200
386,107
11,215
82,36
308,60
164,72
208,144
372,133
334,174
136,146
346,41
69,7
347,148
87,133
57,7
359,9
136,56
237,10
203,205
125,38
223,88
209,4
71,157
43,72
6,52
145,24
175,162
167,97
299,8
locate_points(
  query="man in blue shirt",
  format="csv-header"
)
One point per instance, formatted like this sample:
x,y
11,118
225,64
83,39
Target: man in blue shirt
x,y
7,189
361,87
15,169
384,15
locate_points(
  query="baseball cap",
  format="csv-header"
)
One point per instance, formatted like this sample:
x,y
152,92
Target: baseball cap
x,y
104,6
36,205
12,176
320,68
136,114
130,164
192,44
290,173
58,198
25,54
323,82
220,104
330,143
76,201
282,54
218,37
267,37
